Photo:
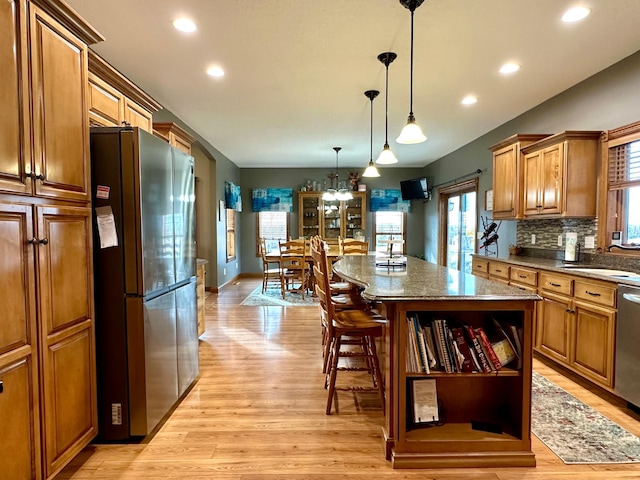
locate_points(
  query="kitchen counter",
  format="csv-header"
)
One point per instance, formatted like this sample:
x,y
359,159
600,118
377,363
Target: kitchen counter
x,y
558,267
421,281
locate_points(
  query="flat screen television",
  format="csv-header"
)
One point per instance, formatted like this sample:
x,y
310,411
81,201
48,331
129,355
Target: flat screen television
x,y
414,189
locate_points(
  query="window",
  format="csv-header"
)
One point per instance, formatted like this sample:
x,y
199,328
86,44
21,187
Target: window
x,y
388,226
273,226
231,234
621,169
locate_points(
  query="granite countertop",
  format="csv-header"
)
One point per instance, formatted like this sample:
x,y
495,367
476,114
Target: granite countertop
x,y
421,281
559,266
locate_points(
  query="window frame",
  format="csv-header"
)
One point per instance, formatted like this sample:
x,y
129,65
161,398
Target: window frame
x,y
443,207
612,215
375,233
287,228
230,228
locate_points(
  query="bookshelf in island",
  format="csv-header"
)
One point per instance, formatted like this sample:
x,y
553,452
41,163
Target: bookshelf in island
x,y
444,406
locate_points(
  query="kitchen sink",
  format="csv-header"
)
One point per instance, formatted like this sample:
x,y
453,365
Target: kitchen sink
x,y
608,272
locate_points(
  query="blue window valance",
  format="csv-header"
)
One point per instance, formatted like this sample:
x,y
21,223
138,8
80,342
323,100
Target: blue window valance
x,y
272,200
388,201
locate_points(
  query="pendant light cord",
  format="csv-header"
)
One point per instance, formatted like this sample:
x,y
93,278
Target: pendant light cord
x,y
386,106
411,63
371,131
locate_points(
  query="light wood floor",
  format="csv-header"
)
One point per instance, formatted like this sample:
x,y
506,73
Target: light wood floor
x,y
257,412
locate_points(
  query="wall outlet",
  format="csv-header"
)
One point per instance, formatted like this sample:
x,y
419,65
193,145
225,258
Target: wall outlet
x,y
224,271
237,266
590,241
533,239
559,240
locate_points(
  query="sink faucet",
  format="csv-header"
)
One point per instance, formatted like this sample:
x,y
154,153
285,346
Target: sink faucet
x,y
623,247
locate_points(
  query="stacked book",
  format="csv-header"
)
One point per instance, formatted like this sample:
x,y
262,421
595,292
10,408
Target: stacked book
x,y
439,345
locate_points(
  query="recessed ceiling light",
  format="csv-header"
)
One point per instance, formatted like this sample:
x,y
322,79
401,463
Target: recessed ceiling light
x,y
184,25
509,68
469,100
215,71
575,14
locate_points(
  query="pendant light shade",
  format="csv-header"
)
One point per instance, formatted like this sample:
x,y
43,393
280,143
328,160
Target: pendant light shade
x,y
386,157
371,170
411,133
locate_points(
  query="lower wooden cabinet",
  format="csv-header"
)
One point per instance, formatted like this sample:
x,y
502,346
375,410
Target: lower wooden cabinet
x,y
574,323
47,346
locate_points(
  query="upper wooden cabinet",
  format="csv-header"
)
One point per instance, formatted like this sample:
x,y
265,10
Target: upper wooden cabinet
x,y
114,99
560,175
507,175
174,134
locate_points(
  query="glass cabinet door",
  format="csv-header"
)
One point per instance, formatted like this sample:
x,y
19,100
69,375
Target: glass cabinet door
x,y
309,216
354,213
332,220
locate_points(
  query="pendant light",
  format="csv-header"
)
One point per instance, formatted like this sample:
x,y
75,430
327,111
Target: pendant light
x,y
411,133
386,157
336,193
371,170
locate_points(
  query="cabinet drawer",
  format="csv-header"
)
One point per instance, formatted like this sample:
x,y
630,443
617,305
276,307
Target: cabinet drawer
x,y
595,293
556,283
480,266
499,270
524,275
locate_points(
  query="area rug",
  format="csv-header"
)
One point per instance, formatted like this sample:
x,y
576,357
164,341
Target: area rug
x,y
272,297
574,431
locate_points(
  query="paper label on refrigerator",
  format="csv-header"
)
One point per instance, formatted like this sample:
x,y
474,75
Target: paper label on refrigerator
x,y
102,191
106,227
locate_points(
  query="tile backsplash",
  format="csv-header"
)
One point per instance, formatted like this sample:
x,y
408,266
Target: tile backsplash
x,y
547,231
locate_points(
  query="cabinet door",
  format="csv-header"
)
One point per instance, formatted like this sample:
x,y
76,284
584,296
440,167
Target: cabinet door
x,y
551,179
18,409
15,156
505,183
309,217
554,326
66,333
354,214
332,219
138,116
60,111
532,173
594,336
105,103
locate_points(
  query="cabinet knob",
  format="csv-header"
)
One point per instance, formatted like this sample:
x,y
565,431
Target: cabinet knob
x,y
43,241
32,241
35,176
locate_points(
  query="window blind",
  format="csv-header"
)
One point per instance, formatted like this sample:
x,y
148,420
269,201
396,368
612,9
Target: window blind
x,y
624,166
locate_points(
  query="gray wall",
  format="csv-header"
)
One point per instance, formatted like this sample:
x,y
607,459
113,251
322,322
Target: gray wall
x,y
284,178
604,101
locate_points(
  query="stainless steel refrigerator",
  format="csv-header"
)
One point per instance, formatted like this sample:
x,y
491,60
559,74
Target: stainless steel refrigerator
x,y
144,268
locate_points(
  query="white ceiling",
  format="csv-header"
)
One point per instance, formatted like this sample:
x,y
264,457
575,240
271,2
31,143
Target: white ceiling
x,y
296,70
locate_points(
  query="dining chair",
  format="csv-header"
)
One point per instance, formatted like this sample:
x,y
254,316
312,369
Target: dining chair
x,y
347,328
271,271
294,267
351,246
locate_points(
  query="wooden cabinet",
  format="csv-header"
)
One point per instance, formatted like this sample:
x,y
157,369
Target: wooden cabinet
x,y
507,175
560,175
47,352
113,99
200,294
175,135
574,324
331,219
502,398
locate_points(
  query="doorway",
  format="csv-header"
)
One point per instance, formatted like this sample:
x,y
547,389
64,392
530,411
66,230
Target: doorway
x,y
457,224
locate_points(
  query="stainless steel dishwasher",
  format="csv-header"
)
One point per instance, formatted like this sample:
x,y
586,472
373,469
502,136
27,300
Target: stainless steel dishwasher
x,y
627,376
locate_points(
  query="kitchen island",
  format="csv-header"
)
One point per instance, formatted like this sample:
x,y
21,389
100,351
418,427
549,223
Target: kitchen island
x,y
470,403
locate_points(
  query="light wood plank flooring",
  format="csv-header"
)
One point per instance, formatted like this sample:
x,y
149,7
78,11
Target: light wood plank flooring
x,y
257,412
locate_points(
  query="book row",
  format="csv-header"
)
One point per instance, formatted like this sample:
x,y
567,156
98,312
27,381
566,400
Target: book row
x,y
438,344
